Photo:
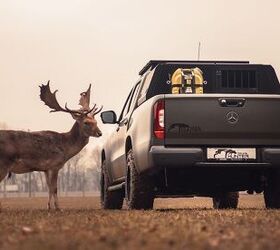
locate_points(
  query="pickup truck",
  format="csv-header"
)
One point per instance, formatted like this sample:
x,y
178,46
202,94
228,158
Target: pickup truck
x,y
213,144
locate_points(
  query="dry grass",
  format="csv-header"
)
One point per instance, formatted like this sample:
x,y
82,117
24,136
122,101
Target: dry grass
x,y
174,224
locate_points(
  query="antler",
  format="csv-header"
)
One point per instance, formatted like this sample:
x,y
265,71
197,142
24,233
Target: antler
x,y
97,110
85,99
49,99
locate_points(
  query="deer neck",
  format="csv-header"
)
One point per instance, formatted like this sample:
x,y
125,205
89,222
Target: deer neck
x,y
76,140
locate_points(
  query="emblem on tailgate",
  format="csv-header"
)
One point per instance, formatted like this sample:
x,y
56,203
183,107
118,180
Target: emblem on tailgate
x,y
183,129
232,117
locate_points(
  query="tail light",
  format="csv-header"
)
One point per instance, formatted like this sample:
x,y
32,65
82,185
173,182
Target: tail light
x,y
159,119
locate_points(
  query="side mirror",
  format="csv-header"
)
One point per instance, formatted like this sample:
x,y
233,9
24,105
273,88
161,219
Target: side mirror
x,y
109,117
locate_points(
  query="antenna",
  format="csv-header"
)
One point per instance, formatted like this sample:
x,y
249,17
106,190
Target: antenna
x,y
198,51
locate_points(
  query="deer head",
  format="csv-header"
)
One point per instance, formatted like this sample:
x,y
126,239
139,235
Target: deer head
x,y
85,117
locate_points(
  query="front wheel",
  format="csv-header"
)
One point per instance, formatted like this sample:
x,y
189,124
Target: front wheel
x,y
109,199
138,188
226,200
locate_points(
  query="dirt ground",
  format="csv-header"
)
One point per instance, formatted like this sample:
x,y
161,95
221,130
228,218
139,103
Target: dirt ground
x,y
173,224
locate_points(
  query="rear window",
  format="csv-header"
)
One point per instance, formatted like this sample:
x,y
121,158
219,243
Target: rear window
x,y
231,79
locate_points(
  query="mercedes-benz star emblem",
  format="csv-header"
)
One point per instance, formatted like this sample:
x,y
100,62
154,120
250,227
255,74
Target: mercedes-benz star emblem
x,y
232,117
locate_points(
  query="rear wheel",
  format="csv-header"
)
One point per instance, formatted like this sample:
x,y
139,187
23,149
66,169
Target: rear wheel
x,y
109,199
226,200
138,188
272,191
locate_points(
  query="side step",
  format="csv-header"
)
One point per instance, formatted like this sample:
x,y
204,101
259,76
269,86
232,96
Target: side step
x,y
116,187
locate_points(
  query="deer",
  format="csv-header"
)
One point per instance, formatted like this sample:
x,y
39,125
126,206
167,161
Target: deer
x,y
48,151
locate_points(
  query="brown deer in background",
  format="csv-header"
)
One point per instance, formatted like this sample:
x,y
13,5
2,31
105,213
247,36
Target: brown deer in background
x,y
48,151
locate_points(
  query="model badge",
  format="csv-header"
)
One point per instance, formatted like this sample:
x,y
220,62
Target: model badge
x,y
232,117
183,129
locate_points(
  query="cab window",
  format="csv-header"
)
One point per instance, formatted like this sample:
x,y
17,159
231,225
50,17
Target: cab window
x,y
129,101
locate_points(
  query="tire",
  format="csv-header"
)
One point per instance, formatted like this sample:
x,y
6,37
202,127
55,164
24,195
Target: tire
x,y
109,199
272,191
226,201
138,188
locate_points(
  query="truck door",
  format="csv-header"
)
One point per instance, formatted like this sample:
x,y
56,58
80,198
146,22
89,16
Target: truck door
x,y
119,163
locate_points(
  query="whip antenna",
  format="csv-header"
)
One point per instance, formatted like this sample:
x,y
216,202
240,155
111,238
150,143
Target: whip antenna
x,y
198,51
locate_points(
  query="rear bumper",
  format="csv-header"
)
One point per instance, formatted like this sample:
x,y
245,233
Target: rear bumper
x,y
160,157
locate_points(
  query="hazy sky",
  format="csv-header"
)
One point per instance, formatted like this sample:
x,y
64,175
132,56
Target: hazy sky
x,y
106,43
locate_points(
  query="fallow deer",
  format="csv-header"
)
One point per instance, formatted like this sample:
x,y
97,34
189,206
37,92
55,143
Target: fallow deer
x,y
47,151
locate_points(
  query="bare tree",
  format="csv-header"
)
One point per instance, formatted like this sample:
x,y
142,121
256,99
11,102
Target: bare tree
x,y
3,126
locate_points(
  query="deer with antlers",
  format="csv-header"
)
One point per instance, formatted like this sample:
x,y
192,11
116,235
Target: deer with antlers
x,y
48,151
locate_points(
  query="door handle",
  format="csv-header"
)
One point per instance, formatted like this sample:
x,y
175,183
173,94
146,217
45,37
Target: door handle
x,y
232,102
122,123
125,122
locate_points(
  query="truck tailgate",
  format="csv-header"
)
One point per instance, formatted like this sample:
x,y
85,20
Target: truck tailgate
x,y
222,119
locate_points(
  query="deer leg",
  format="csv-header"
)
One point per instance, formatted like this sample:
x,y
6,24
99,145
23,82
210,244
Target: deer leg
x,y
51,177
3,173
3,170
47,175
54,188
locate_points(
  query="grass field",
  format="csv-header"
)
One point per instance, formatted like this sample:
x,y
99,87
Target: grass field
x,y
173,224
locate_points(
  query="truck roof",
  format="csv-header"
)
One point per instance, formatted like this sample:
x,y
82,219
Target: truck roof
x,y
153,63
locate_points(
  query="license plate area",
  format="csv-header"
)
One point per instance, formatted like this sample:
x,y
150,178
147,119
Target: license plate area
x,y
231,154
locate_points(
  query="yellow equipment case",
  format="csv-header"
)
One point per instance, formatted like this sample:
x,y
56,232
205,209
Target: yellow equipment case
x,y
187,81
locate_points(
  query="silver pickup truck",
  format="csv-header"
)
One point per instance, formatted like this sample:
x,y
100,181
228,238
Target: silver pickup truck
x,y
213,144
